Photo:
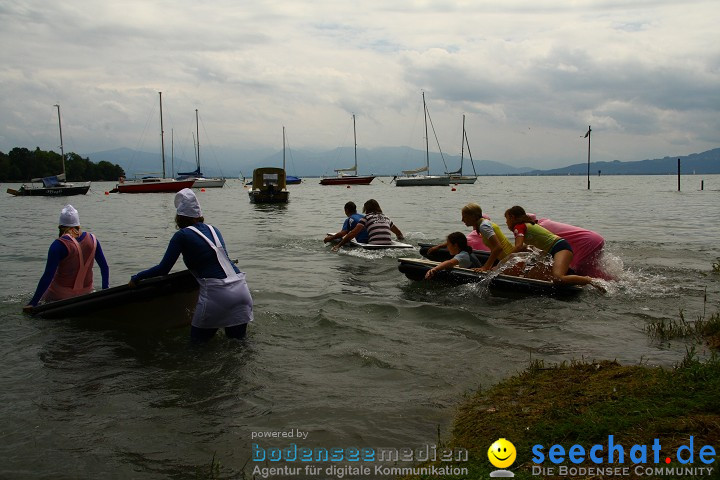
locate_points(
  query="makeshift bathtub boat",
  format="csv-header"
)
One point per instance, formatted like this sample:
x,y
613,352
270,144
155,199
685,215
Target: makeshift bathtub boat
x,y
159,302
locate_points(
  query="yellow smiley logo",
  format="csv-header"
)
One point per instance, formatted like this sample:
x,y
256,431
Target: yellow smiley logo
x,y
502,453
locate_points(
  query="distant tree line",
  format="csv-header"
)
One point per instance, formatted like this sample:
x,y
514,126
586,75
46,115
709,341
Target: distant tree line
x,y
22,164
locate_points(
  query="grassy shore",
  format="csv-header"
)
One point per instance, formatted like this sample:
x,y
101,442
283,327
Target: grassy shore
x,y
582,403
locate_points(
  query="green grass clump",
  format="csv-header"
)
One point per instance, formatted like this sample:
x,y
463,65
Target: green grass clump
x,y
584,403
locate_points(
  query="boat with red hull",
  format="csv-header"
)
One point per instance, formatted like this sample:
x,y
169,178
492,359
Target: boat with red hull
x,y
151,184
354,179
154,185
348,180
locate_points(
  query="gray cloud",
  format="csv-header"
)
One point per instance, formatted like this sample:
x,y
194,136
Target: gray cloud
x,y
530,75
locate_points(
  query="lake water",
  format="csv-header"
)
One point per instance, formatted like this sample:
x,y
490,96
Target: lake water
x,y
343,346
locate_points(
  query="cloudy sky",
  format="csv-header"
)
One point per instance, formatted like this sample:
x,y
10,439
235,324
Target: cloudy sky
x,y
530,75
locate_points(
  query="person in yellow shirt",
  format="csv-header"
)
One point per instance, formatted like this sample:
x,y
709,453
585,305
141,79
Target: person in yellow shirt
x,y
527,232
494,239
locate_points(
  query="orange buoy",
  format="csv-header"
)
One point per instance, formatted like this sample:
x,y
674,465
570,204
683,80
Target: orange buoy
x,y
202,189
107,193
453,189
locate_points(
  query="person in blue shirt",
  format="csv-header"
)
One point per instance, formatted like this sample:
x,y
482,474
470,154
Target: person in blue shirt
x,y
353,217
224,299
69,267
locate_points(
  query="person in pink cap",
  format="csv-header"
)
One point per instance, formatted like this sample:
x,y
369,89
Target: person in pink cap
x,y
587,246
69,267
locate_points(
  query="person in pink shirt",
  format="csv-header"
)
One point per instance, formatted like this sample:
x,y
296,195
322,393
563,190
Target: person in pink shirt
x,y
474,240
587,246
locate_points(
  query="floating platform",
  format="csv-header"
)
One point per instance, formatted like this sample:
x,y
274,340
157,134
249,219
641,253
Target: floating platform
x,y
372,246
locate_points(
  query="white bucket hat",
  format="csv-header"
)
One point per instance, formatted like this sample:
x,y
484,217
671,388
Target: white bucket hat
x,y
69,217
187,204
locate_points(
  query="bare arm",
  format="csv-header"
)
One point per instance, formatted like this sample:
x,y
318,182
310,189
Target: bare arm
x,y
397,232
330,238
349,236
519,244
446,265
495,252
437,247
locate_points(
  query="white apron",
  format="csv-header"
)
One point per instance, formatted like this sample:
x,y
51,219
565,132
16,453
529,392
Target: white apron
x,y
222,302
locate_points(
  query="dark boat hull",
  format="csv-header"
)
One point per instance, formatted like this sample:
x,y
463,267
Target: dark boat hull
x,y
263,196
442,254
348,180
415,269
49,191
156,303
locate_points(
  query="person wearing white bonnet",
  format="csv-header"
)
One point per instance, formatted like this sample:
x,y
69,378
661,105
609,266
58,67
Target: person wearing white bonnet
x,y
224,298
69,267
69,217
187,204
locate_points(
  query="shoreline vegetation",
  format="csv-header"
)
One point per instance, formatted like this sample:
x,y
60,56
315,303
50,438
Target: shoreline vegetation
x,y
21,163
583,402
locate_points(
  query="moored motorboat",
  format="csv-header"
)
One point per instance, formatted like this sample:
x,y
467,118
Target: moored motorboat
x,y
269,186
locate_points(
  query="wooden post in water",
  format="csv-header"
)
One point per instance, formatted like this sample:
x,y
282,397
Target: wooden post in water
x,y
678,174
702,185
587,135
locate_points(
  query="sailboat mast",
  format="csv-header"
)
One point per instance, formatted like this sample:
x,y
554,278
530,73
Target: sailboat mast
x,y
427,145
62,149
462,146
162,137
197,134
355,141
172,152
283,147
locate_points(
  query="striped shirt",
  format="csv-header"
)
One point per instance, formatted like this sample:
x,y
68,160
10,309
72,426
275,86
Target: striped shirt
x,y
378,227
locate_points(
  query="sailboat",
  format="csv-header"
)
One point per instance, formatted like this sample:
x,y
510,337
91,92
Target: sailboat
x,y
354,179
200,180
54,186
457,176
154,184
269,184
412,179
289,179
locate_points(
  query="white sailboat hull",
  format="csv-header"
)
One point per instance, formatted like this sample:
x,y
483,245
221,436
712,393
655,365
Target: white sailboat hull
x,y
423,181
465,179
201,182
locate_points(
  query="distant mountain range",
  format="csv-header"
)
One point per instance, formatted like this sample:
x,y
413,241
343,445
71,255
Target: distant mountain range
x,y
386,161
699,163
